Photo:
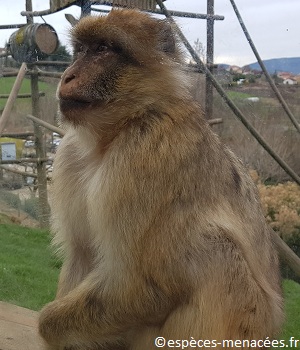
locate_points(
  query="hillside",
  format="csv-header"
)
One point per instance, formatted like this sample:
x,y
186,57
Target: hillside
x,y
291,65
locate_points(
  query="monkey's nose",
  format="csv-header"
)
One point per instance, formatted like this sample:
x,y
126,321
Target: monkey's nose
x,y
68,78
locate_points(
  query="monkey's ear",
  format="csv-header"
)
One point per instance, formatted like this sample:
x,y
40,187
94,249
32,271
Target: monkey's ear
x,y
71,19
167,40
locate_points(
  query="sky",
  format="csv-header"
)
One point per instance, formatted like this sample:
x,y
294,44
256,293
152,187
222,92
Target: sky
x,y
274,26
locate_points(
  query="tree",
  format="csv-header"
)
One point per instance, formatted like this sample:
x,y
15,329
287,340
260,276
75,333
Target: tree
x,y
200,49
61,54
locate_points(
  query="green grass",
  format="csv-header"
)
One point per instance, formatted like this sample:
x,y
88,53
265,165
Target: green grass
x,y
292,309
237,95
6,84
29,272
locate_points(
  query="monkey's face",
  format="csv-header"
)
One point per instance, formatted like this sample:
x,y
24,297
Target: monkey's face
x,y
90,81
116,58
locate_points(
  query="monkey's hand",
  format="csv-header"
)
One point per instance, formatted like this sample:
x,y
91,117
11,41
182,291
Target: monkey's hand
x,y
89,315
50,325
62,318
75,321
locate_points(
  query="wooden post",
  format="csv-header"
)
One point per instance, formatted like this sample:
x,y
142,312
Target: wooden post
x,y
12,97
286,254
44,210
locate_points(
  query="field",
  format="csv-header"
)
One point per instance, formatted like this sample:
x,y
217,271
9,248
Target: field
x,y
22,106
270,120
6,85
29,272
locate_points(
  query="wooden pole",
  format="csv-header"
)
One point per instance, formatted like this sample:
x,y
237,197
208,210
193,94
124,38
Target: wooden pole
x,y
12,97
20,172
44,210
51,127
22,95
26,160
286,254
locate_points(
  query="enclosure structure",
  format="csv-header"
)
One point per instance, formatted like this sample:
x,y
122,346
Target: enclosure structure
x,y
150,6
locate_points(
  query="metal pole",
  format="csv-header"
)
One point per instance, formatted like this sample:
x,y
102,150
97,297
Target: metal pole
x,y
209,59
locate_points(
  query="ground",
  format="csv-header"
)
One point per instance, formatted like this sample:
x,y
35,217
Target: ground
x,y
12,215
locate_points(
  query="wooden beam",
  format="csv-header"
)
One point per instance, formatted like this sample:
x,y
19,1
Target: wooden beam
x,y
20,172
22,95
19,328
26,160
215,121
18,135
49,126
12,97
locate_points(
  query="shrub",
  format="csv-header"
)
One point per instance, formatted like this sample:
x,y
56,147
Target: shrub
x,y
11,199
30,206
281,206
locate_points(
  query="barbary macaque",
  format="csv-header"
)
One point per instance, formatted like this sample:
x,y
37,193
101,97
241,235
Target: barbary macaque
x,y
158,223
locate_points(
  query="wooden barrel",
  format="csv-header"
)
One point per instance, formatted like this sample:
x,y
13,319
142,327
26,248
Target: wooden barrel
x,y
33,42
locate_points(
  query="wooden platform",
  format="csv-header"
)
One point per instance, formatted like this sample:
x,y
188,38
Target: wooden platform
x,y
18,328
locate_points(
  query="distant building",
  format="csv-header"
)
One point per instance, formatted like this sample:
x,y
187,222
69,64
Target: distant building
x,y
285,75
235,69
241,81
290,81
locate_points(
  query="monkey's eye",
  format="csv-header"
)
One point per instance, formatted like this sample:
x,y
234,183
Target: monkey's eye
x,y
101,48
79,50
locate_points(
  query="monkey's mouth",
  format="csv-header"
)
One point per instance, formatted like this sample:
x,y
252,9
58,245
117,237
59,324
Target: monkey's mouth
x,y
68,104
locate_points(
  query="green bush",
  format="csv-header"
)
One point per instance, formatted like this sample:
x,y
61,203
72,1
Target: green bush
x,y
281,205
11,199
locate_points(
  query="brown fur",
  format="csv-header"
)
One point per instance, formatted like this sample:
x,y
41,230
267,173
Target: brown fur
x,y
159,224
